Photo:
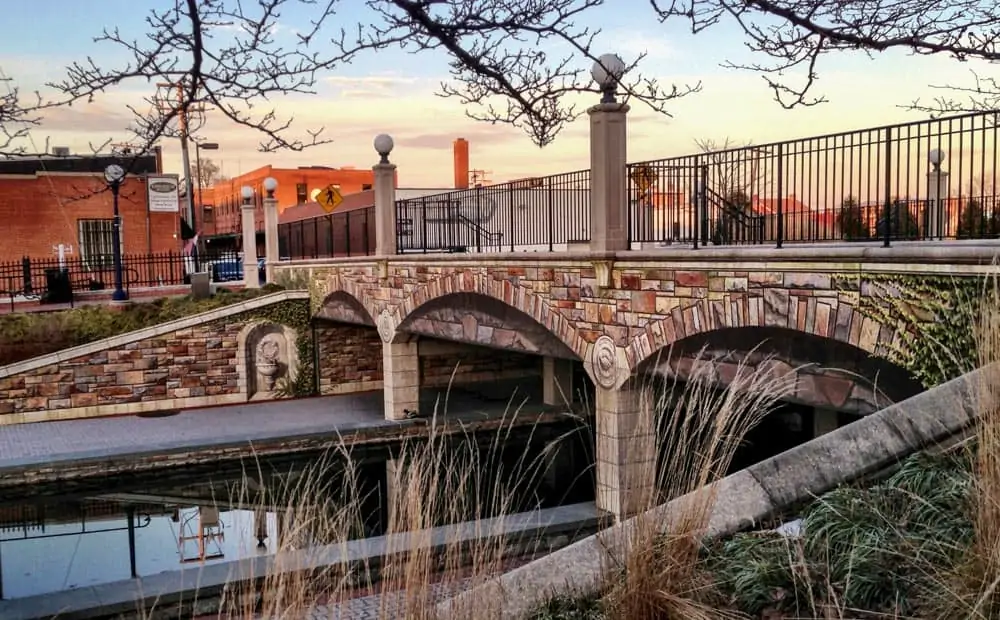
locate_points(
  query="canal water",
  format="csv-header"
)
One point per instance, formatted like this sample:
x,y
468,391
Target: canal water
x,y
182,520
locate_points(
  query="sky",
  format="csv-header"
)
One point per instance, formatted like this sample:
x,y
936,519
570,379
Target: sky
x,y
394,92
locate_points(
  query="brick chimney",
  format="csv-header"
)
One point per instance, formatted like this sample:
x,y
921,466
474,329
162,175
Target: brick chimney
x,y
461,149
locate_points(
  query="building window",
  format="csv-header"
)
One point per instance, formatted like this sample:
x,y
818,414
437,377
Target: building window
x,y
209,213
366,186
95,242
301,193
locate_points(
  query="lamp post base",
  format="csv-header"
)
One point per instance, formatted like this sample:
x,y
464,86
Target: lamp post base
x,y
119,295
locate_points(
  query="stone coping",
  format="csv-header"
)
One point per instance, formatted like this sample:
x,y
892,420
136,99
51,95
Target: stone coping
x,y
127,596
747,498
149,332
975,251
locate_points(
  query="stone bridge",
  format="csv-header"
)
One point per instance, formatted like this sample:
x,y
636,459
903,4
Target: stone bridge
x,y
825,313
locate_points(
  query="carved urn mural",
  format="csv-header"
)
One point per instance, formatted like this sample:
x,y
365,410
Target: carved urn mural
x,y
269,362
270,355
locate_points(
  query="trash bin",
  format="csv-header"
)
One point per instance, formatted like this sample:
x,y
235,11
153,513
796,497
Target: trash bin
x,y
58,288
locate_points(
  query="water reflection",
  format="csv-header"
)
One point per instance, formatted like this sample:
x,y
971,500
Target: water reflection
x,y
59,542
69,551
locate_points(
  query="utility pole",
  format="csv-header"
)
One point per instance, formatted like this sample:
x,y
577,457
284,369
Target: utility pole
x,y
182,119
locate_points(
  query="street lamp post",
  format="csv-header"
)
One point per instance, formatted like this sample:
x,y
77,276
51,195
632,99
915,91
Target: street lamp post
x,y
198,147
115,176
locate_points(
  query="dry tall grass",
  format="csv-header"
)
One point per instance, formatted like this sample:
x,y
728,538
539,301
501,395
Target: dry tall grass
x,y
971,588
697,428
443,479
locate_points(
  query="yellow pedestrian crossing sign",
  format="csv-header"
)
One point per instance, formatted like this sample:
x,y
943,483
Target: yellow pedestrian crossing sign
x,y
329,198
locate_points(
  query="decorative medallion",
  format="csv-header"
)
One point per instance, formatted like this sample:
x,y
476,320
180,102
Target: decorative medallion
x,y
386,330
604,361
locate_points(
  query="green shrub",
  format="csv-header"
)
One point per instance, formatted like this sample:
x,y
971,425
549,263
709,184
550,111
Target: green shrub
x,y
975,223
875,549
851,220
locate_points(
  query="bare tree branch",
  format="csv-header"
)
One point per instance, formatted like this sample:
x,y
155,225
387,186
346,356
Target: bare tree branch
x,y
515,62
16,118
795,34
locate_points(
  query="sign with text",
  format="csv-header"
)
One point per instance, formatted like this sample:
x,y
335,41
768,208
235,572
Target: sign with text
x,y
163,193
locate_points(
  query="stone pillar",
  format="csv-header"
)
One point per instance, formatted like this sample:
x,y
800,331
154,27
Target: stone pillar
x,y
270,229
626,449
385,199
392,483
608,183
557,382
400,379
937,201
250,279
824,421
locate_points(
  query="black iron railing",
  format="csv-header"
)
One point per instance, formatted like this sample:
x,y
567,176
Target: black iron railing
x,y
32,276
537,214
349,233
827,188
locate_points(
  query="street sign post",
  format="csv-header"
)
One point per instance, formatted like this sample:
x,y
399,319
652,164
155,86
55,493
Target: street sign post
x,y
329,198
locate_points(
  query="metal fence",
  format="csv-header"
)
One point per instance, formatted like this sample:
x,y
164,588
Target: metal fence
x,y
34,276
537,214
879,183
350,233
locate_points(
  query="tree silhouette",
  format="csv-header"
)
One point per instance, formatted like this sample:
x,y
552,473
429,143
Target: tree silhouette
x,y
511,62
208,173
794,35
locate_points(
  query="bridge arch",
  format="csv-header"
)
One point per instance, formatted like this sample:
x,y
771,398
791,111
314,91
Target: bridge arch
x,y
836,321
510,315
343,307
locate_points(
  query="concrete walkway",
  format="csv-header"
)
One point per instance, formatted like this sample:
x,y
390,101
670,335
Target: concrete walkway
x,y
66,444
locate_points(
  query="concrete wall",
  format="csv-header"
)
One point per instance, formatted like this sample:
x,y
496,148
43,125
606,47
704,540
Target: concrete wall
x,y
197,361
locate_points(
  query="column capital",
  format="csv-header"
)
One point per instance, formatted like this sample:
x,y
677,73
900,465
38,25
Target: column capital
x,y
387,167
609,108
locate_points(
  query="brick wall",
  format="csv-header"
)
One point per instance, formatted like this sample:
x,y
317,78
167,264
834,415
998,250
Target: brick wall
x,y
351,361
477,365
40,212
350,358
189,363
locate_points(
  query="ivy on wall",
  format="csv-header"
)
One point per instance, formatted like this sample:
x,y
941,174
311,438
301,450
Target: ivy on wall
x,y
296,315
937,318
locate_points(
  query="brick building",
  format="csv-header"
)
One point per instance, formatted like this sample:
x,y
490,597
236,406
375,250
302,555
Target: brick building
x,y
48,200
219,220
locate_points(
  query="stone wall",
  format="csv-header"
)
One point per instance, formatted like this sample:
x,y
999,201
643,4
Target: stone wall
x,y
475,365
197,361
350,360
615,314
194,362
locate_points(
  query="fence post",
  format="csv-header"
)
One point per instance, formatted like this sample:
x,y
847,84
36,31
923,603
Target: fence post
x,y
333,247
347,226
781,196
887,235
423,222
510,204
551,220
26,275
479,219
